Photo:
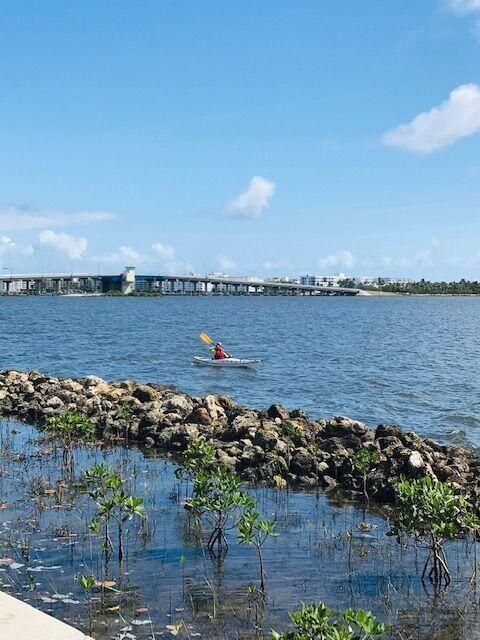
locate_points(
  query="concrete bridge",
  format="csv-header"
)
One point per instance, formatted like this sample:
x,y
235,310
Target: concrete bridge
x,y
129,281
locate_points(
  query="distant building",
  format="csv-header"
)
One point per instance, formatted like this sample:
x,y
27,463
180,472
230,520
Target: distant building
x,y
378,281
323,281
283,280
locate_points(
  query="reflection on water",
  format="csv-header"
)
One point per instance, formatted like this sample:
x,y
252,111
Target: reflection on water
x,y
168,582
408,360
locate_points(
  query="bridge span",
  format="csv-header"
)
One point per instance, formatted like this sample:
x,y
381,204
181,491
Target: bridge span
x,y
129,281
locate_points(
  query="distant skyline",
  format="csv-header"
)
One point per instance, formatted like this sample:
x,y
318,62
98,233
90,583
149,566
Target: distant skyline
x,y
272,138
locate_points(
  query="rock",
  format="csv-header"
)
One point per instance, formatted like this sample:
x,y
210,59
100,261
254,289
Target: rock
x,y
328,482
226,460
415,461
243,425
180,404
302,462
54,402
92,381
277,411
267,440
215,407
340,426
299,413
200,415
143,393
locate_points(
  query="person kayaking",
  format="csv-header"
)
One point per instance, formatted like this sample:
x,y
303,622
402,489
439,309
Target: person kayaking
x,y
219,353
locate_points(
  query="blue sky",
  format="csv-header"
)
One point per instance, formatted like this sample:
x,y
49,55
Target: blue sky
x,y
246,137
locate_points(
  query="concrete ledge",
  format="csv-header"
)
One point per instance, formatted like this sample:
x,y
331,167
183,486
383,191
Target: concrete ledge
x,y
21,621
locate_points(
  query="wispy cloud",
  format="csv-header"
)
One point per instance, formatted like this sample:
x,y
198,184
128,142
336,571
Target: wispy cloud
x,y
6,244
165,251
14,218
252,202
455,118
464,8
225,263
74,247
340,260
122,255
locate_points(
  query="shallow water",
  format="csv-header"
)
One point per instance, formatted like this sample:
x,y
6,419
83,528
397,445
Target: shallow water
x,y
168,577
408,360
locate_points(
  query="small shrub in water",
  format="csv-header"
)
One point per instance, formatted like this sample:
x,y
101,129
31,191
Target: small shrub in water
x,y
218,497
318,622
113,503
71,428
254,531
432,512
198,457
364,460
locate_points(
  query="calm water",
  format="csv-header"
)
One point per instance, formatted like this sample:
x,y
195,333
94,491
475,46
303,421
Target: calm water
x,y
322,553
412,361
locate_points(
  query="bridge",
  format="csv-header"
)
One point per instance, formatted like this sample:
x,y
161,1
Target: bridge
x,y
129,281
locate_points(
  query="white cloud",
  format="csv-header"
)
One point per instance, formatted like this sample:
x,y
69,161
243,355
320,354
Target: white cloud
x,y
22,219
122,255
225,263
466,7
457,117
463,6
28,251
165,251
342,259
129,253
6,244
73,246
252,202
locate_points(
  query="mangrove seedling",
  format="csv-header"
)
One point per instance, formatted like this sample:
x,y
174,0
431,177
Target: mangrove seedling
x,y
87,583
254,531
71,428
363,461
113,503
217,496
318,622
432,512
198,457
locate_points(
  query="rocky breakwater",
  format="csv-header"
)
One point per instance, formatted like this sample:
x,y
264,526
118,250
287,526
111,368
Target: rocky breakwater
x,y
275,446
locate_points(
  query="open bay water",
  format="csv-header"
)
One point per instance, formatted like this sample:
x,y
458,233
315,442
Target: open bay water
x,y
412,361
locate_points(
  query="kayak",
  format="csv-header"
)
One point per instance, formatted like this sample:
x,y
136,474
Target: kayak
x,y
247,363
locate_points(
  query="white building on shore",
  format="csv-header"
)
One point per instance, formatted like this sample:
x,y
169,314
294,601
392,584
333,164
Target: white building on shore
x,y
323,281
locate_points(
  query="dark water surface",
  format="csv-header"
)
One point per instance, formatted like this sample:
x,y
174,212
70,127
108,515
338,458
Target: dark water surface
x,y
413,361
322,553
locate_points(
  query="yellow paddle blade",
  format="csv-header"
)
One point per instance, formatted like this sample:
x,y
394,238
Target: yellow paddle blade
x,y
205,338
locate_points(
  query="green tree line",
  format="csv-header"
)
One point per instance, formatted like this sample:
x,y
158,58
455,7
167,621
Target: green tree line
x,y
462,287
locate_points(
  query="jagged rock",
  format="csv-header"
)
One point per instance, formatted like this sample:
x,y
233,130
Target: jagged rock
x,y
302,462
340,426
415,461
226,460
200,416
242,425
92,381
277,411
299,413
54,402
215,407
143,393
179,404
